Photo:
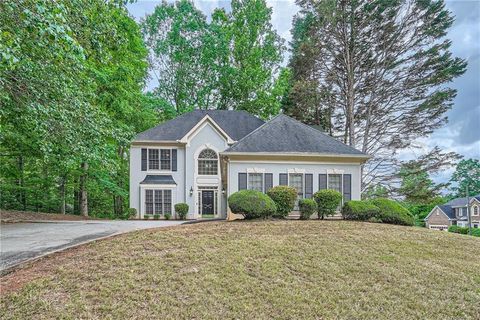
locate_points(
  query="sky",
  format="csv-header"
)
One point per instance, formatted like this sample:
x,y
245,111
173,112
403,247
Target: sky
x,y
462,133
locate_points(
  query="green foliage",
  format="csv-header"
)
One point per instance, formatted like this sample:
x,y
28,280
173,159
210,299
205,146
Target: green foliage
x,y
307,208
167,216
284,198
232,62
467,173
420,211
181,209
464,230
71,93
156,217
251,204
328,202
457,229
147,216
360,210
132,213
392,212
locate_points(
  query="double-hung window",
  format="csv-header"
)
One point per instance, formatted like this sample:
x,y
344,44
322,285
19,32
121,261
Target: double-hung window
x,y
335,182
255,181
158,201
208,162
295,180
159,159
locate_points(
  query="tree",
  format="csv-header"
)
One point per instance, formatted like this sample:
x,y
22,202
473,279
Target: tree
x,y
467,173
233,62
416,186
382,69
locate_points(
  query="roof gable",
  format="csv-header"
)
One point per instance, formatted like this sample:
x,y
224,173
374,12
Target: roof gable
x,y
236,124
283,134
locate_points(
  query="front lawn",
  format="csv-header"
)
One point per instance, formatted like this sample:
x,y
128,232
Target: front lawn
x,y
282,270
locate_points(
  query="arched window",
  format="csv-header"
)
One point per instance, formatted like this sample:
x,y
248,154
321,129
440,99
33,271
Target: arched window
x,y
207,162
475,210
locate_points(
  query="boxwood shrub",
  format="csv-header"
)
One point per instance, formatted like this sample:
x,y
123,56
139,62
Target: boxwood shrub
x,y
307,208
181,209
457,229
359,210
251,204
392,212
284,198
327,202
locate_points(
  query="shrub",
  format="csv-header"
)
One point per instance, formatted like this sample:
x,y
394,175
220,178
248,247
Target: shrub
x,y
359,210
327,202
251,204
307,208
476,232
458,229
156,216
132,213
168,216
146,216
284,198
181,209
392,212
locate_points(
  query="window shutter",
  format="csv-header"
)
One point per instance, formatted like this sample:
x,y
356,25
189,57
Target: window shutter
x,y
144,159
283,179
174,159
242,181
322,181
268,182
308,185
347,187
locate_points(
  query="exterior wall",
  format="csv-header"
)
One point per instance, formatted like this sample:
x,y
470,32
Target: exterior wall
x,y
137,176
276,168
437,218
206,137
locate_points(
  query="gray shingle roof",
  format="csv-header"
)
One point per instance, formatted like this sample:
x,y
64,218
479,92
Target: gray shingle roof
x,y
283,134
237,124
461,202
448,211
158,179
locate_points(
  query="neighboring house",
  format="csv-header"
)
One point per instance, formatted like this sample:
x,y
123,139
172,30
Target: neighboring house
x,y
202,157
454,212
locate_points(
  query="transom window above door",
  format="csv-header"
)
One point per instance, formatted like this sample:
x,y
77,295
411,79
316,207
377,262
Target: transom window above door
x,y
208,162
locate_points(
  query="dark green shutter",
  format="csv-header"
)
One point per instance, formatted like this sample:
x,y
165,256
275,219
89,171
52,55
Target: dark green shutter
x,y
174,159
308,185
144,160
268,182
242,181
283,179
347,187
322,181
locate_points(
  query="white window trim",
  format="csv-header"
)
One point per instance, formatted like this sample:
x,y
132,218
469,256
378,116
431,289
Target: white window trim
x,y
255,170
160,159
473,210
143,189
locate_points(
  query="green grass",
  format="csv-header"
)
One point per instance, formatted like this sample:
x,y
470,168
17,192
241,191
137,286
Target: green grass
x,y
245,270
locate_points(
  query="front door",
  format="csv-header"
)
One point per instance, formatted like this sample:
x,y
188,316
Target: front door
x,y
207,202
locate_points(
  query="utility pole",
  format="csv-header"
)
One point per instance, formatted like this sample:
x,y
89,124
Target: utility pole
x,y
468,213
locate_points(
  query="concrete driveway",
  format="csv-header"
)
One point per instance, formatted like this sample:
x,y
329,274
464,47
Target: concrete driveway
x,y
23,241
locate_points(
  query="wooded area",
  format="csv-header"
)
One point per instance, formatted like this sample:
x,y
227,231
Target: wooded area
x,y
371,73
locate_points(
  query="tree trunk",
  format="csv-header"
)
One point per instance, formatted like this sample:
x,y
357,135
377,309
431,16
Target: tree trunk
x,y
21,197
63,181
83,190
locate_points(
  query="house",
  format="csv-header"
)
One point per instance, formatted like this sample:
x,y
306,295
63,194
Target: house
x,y
454,212
204,156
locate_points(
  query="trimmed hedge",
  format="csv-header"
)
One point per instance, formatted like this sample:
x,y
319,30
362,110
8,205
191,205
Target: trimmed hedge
x,y
307,208
327,202
392,212
380,210
181,209
359,210
284,198
251,204
464,230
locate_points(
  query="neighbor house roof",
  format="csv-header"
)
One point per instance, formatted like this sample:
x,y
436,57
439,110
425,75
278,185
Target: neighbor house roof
x,y
448,211
461,202
237,124
158,179
283,134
